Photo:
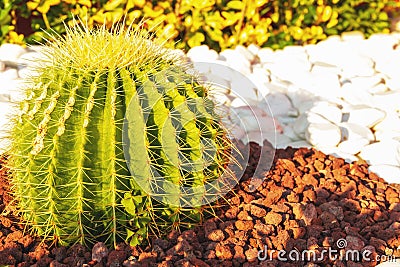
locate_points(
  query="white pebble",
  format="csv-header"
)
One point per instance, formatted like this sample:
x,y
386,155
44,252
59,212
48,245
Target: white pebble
x,y
254,49
365,116
390,122
352,146
200,67
323,134
8,74
296,144
382,135
26,73
389,264
279,104
389,65
381,153
393,83
352,36
253,136
337,153
15,89
11,52
321,69
289,132
355,95
245,52
301,99
327,110
202,54
221,68
242,87
265,54
282,139
353,131
304,120
236,60
238,102
388,101
366,82
259,84
378,89
357,66
217,81
390,173
33,59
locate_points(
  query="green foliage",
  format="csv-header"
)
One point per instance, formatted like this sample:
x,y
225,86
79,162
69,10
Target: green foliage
x,y
5,19
220,24
71,145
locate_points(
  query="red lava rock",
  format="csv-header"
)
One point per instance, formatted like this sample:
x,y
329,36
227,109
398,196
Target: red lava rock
x,y
99,251
309,196
244,225
60,253
223,252
183,263
55,263
232,213
216,235
39,252
182,247
257,211
44,261
327,218
273,218
251,254
309,179
394,207
298,232
74,261
307,200
209,226
354,242
272,195
198,263
280,208
282,239
239,254
322,193
116,258
244,216
263,228
395,216
288,181
307,213
333,208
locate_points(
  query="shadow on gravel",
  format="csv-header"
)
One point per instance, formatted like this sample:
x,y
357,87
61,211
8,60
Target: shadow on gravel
x,y
308,206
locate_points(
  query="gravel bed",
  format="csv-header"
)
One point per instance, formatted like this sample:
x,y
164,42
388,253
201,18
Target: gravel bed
x,y
307,201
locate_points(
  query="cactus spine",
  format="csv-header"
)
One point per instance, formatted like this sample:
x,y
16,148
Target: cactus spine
x,y
71,178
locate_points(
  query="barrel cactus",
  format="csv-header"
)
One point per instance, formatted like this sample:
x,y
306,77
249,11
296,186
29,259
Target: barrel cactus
x,y
115,140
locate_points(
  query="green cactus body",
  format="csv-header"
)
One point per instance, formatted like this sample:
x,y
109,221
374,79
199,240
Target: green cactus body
x,y
71,177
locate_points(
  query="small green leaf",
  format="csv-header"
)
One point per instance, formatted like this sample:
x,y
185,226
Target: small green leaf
x,y
129,206
134,241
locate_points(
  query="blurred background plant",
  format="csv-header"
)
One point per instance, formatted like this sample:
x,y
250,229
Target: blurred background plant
x,y
220,24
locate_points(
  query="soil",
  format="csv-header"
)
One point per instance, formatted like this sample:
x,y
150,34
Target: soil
x,y
307,201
